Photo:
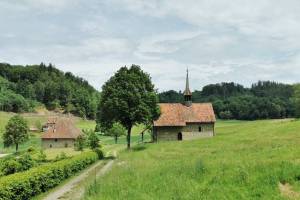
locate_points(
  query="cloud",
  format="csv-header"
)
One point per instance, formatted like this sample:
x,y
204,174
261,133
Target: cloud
x,y
241,41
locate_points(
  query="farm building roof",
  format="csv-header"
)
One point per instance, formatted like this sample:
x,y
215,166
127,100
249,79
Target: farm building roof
x,y
62,129
52,120
177,114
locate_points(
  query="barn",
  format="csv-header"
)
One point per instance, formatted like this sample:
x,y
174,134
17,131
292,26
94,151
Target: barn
x,y
184,121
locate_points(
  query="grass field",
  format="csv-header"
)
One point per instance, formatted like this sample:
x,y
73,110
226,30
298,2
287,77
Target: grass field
x,y
246,160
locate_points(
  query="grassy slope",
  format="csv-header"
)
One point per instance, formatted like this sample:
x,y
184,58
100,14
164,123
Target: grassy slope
x,y
246,160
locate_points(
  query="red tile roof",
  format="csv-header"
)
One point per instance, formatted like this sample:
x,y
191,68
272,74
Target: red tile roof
x,y
177,114
63,129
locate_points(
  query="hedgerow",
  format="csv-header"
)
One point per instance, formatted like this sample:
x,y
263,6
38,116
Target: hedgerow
x,y
24,185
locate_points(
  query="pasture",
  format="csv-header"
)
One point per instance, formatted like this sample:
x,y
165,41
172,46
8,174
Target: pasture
x,y
245,160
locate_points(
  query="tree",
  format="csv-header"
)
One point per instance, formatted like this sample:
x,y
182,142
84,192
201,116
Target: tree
x,y
128,98
116,131
79,143
296,99
16,132
93,140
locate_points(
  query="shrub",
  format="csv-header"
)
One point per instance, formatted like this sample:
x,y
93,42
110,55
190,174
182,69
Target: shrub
x,y
10,167
80,143
93,140
26,162
61,156
100,153
30,149
42,157
27,184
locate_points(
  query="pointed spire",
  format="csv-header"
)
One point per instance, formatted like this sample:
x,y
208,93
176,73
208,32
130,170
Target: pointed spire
x,y
187,92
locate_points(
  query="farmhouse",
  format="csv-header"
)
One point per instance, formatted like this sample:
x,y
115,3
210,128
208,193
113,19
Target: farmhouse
x,y
184,121
50,123
62,133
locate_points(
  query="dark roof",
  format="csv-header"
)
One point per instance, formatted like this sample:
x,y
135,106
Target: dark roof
x,y
177,114
63,129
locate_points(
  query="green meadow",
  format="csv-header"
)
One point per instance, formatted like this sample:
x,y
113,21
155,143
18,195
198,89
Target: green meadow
x,y
245,160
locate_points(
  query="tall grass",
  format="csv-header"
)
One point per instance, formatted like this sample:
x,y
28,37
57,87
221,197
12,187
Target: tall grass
x,y
246,160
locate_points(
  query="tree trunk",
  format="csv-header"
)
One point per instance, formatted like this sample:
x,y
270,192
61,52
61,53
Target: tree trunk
x,y
128,137
142,136
116,139
17,147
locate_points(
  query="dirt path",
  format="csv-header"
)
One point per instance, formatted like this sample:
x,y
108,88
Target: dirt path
x,y
74,189
287,191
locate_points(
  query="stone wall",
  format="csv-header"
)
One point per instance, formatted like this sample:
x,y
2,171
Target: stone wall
x,y
57,143
191,131
167,133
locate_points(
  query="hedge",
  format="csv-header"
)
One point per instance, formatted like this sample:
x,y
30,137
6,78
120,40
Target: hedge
x,y
24,185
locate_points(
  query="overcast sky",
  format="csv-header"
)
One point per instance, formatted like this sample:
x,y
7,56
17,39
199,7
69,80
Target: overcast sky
x,y
220,41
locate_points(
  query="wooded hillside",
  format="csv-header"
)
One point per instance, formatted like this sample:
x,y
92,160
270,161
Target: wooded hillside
x,y
263,100
23,87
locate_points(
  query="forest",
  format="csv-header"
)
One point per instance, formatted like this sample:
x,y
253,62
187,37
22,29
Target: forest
x,y
263,100
24,87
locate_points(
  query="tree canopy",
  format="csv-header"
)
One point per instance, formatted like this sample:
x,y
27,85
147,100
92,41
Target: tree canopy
x,y
116,131
16,132
264,100
22,86
128,98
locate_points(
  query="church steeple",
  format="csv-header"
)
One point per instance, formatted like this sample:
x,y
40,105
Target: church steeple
x,y
187,92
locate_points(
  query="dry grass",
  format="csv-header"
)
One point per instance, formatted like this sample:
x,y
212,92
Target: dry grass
x,y
288,192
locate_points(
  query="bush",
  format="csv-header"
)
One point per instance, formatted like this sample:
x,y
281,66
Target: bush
x,y
10,167
26,162
100,153
42,157
30,149
61,156
27,184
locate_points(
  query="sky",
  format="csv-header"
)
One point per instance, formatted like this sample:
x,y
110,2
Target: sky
x,y
218,40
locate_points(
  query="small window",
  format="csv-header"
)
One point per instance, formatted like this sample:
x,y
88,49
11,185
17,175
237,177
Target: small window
x,y
200,129
55,140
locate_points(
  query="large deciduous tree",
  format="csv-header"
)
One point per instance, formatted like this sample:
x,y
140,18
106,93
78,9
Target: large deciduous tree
x,y
128,98
16,132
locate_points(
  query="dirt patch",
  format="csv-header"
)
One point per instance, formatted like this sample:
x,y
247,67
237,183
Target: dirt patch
x,y
3,155
287,191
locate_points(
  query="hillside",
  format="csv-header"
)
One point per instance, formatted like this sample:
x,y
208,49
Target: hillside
x,y
263,100
24,87
246,160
